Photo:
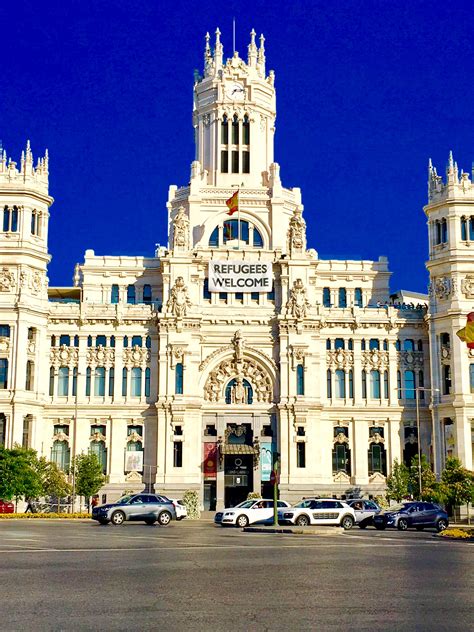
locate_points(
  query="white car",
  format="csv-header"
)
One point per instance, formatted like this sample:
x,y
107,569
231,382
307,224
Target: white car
x,y
318,511
180,508
249,512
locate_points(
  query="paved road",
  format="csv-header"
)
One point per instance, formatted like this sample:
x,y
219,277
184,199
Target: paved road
x,y
194,576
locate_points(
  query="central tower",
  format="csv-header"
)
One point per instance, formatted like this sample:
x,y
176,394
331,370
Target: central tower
x,y
234,116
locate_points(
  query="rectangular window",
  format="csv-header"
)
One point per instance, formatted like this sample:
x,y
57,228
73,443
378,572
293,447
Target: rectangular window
x,y
136,382
6,219
205,290
64,340
254,296
351,384
131,295
446,379
63,381
329,384
147,382
300,379
223,296
137,341
29,376
124,382
271,295
409,385
3,373
147,294
225,132
74,381
88,381
340,384
4,331
178,454
364,385
375,384
239,296
3,429
114,294
246,132
101,341
179,382
301,454
111,381
326,297
51,381
358,297
385,384
224,161
342,297
235,162
26,431
235,131
246,162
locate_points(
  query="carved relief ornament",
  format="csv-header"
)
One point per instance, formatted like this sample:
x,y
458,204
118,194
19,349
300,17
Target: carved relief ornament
x,y
467,286
64,356
297,305
7,280
178,301
297,233
181,230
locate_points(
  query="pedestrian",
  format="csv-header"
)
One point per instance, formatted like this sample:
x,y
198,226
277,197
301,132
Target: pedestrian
x,y
29,506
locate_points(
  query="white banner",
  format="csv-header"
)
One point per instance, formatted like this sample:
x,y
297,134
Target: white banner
x,y
133,460
240,276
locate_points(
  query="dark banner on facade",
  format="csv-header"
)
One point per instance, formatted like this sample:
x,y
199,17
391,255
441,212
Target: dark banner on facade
x,y
210,460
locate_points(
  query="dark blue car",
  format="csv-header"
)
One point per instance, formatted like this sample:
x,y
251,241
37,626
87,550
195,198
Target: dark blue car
x,y
420,515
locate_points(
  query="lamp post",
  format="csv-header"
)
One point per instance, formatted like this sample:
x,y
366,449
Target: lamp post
x,y
417,398
74,439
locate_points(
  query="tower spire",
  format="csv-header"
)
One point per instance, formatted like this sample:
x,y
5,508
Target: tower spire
x,y
218,51
252,55
261,55
207,55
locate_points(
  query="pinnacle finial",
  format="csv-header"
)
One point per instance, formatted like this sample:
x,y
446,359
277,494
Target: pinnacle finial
x,y
262,42
252,36
218,36
451,160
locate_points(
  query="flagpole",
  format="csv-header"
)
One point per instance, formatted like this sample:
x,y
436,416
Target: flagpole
x,y
238,214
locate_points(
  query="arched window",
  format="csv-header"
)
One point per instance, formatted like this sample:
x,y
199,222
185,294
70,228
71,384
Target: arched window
x,y
179,381
326,297
328,344
89,341
385,345
374,343
98,448
350,344
397,345
125,342
257,238
375,384
340,385
342,297
225,130
65,340
377,459
214,238
99,381
362,344
101,341
148,342
147,382
444,230
358,297
408,345
463,229
124,381
10,219
411,445
76,341
51,381
341,455
409,385
35,216
137,341
230,394
112,341
114,294
300,379
136,382
438,232
30,371
88,381
147,294
246,131
235,130
329,383
339,343
60,454
63,381
131,295
233,229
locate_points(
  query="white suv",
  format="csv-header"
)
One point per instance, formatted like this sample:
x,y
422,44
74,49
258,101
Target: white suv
x,y
319,511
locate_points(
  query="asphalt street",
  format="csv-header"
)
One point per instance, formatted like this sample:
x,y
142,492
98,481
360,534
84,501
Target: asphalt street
x,y
195,576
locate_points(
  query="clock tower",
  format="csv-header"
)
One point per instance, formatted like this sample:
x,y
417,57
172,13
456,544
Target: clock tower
x,y
234,116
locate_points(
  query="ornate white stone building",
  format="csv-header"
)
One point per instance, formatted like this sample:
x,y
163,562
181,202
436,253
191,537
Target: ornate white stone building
x,y
179,387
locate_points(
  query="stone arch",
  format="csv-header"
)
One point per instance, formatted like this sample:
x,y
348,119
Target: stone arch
x,y
247,215
261,376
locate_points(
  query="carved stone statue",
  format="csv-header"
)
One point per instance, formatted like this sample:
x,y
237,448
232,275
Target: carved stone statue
x,y
181,230
178,301
7,280
297,232
238,343
238,394
297,305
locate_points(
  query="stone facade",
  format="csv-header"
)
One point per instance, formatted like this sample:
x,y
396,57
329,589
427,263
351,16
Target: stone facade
x,y
176,387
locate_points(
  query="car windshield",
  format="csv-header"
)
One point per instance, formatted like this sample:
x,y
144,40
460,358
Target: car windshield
x,y
396,507
303,503
124,500
246,504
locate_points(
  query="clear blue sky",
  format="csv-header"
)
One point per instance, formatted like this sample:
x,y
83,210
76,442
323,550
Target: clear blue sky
x,y
367,91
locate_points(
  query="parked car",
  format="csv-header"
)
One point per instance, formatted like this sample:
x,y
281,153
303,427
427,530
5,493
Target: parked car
x,y
420,515
6,507
249,512
149,508
365,510
319,511
180,508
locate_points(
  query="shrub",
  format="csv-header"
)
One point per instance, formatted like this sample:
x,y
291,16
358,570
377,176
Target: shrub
x,y
191,501
459,534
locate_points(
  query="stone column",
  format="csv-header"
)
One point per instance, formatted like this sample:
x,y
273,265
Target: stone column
x,y
361,446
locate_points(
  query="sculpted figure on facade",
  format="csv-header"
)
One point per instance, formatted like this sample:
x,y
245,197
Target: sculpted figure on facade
x,y
178,301
297,233
297,305
442,287
7,280
181,230
467,286
238,344
238,394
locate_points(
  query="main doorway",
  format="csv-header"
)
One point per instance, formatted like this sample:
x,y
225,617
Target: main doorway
x,y
238,478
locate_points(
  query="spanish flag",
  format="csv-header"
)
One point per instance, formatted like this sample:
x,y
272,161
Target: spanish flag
x,y
467,333
233,203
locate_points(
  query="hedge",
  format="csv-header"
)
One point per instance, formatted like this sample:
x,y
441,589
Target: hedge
x,y
43,516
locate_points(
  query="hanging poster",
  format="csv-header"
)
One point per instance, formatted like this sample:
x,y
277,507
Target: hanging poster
x,y
210,460
266,457
134,460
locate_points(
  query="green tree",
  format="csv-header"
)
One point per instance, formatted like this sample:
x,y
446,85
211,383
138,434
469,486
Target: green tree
x,y
397,482
429,485
89,476
55,483
457,483
19,474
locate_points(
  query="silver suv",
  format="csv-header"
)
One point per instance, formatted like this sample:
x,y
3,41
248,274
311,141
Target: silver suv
x,y
149,508
364,510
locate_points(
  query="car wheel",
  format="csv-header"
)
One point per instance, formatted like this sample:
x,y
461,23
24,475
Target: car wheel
x,y
419,528
380,527
103,521
164,518
150,521
179,517
441,525
242,521
117,518
402,524
347,523
302,521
